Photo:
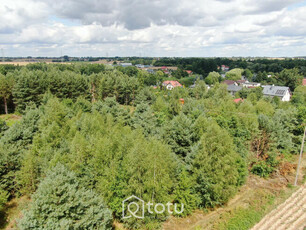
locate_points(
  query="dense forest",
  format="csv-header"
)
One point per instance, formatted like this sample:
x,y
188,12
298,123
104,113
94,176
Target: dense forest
x,y
92,135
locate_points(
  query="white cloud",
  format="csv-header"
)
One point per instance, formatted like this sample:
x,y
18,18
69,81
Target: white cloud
x,y
152,27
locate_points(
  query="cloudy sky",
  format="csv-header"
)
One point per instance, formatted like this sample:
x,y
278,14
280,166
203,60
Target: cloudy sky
x,y
204,28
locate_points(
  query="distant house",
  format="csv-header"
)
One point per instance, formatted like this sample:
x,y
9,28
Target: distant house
x,y
171,84
232,89
125,64
189,72
150,71
282,92
224,68
229,82
240,82
250,84
140,66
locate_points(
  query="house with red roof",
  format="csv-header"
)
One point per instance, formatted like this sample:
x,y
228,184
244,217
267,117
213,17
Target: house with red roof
x,y
224,68
189,72
237,100
171,84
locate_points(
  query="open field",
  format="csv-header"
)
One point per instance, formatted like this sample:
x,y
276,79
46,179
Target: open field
x,y
23,63
255,199
289,215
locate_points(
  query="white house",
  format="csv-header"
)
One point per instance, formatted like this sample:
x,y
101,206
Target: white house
x,y
282,92
171,84
250,84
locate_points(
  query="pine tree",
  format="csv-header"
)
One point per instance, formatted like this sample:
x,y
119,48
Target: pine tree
x,y
61,202
184,193
179,135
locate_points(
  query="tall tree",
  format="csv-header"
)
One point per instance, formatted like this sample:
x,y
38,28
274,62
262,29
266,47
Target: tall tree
x,y
6,87
219,170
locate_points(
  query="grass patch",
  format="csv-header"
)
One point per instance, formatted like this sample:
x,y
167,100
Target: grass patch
x,y
243,218
10,119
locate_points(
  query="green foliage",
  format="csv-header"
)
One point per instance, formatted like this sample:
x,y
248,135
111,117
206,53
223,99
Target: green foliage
x,y
248,74
3,198
212,78
256,93
184,194
179,73
299,95
146,95
111,106
3,127
179,135
144,118
264,168
217,167
13,145
264,107
118,85
6,86
200,89
234,74
244,218
187,81
61,202
290,78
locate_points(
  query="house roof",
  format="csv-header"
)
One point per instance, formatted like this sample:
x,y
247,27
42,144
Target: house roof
x,y
237,100
252,83
228,82
234,88
272,90
173,83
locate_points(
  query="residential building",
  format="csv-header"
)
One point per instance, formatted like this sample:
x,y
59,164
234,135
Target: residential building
x,y
240,82
171,84
250,84
224,68
126,64
282,92
232,89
